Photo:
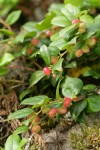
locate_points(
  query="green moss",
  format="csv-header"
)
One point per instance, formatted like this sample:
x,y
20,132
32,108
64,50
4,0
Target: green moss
x,y
88,139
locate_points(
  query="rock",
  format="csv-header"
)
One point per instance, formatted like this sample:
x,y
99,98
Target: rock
x,y
61,139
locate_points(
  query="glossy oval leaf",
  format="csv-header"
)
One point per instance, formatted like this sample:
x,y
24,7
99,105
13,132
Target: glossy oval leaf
x,y
60,21
58,65
89,87
7,32
87,19
73,64
92,29
12,142
55,36
53,50
24,93
45,54
6,59
74,2
22,143
59,43
30,26
3,71
20,38
20,113
93,103
57,89
56,105
21,129
36,101
70,12
55,80
13,17
46,23
97,49
36,76
67,30
77,108
71,86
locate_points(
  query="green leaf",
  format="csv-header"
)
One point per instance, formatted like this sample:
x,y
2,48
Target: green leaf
x,y
57,89
92,29
87,19
45,54
97,18
23,50
26,122
19,38
94,73
30,26
6,59
76,2
35,53
24,93
13,17
89,87
3,71
70,12
55,80
22,143
97,49
53,50
59,43
71,86
73,64
1,148
20,113
46,23
36,101
6,32
36,76
91,4
12,142
60,21
30,34
88,73
56,105
6,6
58,65
83,118
72,41
21,129
56,8
93,103
77,108
55,36
67,30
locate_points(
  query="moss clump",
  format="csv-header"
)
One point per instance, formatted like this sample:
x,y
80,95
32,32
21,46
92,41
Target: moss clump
x,y
88,139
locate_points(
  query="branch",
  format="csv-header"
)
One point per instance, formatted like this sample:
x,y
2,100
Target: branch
x,y
5,24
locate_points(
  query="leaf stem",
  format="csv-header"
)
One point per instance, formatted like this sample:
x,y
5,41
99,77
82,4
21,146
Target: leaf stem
x,y
5,24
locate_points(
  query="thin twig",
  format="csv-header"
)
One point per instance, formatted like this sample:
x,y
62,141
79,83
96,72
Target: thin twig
x,y
15,81
4,41
28,144
18,85
36,64
21,67
5,24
